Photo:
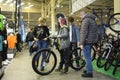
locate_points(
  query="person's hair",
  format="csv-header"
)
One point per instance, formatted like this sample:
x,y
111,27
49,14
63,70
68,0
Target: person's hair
x,y
83,11
62,21
70,19
41,21
31,29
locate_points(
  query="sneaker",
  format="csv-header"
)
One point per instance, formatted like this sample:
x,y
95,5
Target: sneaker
x,y
87,75
65,70
5,63
59,68
84,71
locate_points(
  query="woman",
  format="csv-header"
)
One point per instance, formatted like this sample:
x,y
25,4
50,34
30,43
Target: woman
x,y
41,34
64,43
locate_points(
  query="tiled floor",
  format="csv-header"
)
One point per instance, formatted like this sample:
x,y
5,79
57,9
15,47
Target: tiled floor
x,y
21,69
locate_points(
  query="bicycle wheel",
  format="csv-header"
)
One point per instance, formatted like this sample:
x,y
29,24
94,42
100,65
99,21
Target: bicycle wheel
x,y
113,58
114,22
114,70
49,62
77,62
102,58
116,64
107,66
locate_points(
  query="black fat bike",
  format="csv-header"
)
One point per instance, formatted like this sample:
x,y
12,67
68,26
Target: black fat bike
x,y
50,60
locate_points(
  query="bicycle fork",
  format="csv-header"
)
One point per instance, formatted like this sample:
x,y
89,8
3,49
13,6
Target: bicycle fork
x,y
48,56
109,50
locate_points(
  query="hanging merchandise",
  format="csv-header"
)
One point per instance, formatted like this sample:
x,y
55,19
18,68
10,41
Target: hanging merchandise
x,y
21,22
22,30
1,22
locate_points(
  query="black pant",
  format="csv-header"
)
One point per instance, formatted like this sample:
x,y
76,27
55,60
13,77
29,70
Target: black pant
x,y
73,45
18,47
0,60
4,52
65,57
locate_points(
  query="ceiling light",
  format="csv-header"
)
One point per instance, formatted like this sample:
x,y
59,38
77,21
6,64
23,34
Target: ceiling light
x,y
31,5
1,1
22,3
14,2
58,5
47,16
61,6
5,4
8,1
27,7
71,13
11,4
18,6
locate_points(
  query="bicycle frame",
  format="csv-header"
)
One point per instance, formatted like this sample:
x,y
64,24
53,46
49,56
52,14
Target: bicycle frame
x,y
109,47
51,48
100,17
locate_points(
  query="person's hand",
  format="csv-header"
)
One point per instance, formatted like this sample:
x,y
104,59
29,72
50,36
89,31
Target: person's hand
x,y
59,36
45,39
78,44
5,41
35,39
81,46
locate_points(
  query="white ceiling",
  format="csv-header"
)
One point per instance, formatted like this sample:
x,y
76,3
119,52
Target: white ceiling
x,y
66,5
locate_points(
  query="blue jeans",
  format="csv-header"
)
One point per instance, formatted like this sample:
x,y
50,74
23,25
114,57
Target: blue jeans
x,y
42,44
88,59
29,44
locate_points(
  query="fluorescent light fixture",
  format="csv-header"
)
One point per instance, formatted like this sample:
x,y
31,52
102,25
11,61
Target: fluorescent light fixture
x,y
8,1
71,13
47,16
26,7
22,3
14,2
62,6
1,1
11,4
58,5
5,4
31,5
18,5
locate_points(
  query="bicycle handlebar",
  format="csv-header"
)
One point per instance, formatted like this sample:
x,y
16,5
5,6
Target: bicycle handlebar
x,y
94,11
53,37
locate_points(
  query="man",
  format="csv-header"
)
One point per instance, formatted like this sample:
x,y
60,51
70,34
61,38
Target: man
x,y
30,39
74,36
19,42
88,36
